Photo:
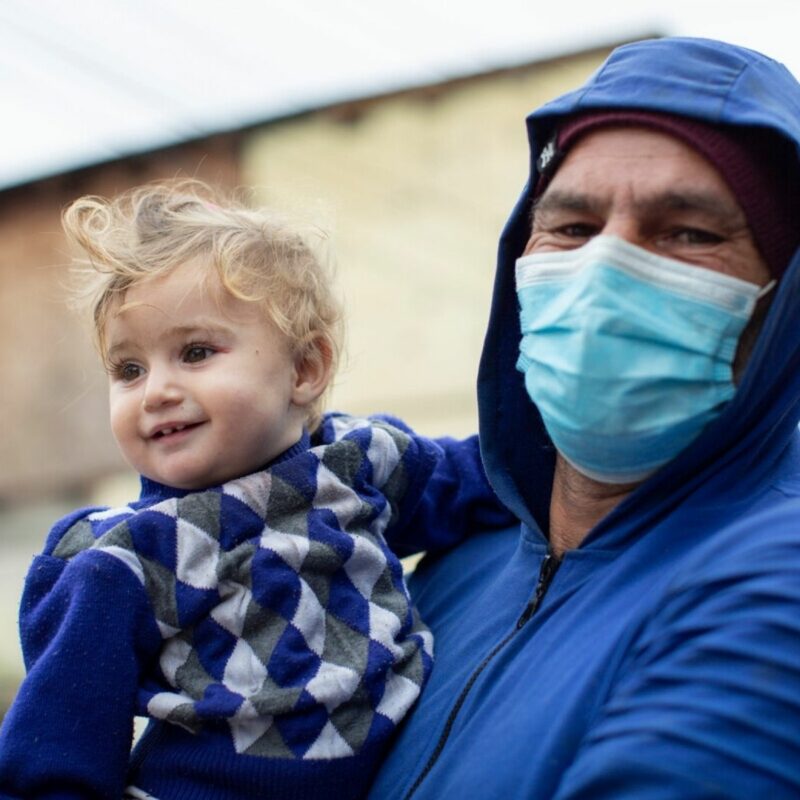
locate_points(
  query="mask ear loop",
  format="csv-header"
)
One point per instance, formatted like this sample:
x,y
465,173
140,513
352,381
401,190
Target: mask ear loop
x,y
766,289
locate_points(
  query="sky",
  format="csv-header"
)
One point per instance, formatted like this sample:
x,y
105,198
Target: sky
x,y
93,80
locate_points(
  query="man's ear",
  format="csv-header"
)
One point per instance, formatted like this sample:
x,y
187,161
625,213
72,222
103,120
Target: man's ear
x,y
312,372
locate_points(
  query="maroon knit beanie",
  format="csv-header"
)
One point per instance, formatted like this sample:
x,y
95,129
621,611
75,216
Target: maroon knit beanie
x,y
759,166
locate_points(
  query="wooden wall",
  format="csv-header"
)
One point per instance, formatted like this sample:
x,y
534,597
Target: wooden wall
x,y
54,433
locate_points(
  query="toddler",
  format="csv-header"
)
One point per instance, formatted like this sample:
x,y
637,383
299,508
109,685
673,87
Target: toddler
x,y
247,602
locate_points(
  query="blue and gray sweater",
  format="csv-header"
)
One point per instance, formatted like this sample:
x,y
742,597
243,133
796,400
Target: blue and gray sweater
x,y
263,625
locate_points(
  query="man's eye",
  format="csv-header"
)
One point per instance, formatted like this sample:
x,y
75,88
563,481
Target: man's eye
x,y
196,352
695,236
577,230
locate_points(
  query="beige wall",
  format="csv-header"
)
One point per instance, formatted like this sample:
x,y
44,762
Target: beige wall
x,y
417,188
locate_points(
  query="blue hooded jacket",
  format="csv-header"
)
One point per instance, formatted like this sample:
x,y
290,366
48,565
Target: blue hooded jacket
x,y
661,658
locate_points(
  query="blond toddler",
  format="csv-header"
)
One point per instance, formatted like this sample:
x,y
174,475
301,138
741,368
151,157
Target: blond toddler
x,y
247,602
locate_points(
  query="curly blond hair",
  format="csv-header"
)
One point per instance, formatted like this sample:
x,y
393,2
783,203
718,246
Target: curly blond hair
x,y
258,255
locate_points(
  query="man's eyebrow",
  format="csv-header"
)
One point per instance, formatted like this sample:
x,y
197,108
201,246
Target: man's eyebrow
x,y
709,203
706,202
564,201
568,201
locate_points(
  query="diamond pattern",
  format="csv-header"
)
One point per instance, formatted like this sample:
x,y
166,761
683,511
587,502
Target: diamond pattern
x,y
282,609
198,554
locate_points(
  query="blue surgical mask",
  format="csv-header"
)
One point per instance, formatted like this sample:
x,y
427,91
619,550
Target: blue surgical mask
x,y
626,354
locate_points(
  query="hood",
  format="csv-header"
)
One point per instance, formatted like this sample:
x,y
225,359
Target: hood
x,y
717,83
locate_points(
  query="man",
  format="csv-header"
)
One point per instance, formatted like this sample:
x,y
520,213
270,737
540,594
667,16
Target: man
x,y
639,637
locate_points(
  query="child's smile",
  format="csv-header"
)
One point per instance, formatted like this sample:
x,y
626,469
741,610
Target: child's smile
x,y
202,389
174,433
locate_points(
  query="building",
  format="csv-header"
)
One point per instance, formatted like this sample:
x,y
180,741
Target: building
x,y
415,186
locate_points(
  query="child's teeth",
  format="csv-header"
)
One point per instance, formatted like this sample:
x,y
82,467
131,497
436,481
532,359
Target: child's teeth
x,y
168,431
174,430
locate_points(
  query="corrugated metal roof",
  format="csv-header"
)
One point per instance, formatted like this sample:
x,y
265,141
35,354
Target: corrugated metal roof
x,y
93,80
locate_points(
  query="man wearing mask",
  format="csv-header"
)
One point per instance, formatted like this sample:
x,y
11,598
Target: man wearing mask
x,y
638,636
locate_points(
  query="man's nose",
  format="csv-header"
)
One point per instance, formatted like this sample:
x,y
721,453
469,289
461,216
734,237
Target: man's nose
x,y
161,389
624,226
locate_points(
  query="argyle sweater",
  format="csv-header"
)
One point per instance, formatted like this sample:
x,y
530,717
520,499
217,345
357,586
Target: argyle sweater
x,y
262,625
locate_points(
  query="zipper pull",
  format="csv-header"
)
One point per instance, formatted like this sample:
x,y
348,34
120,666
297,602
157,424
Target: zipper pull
x,y
547,572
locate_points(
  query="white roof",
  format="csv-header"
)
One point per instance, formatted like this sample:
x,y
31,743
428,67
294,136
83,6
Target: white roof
x,y
93,80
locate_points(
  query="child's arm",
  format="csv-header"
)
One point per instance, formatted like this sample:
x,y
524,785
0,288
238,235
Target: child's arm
x,y
455,502
86,628
436,488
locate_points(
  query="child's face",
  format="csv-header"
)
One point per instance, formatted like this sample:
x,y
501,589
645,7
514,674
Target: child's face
x,y
202,389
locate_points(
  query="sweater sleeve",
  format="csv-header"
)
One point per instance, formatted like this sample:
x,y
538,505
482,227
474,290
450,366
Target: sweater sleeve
x,y
453,502
86,630
708,705
437,488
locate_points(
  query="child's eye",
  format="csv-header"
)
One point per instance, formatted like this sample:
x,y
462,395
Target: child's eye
x,y
197,352
127,371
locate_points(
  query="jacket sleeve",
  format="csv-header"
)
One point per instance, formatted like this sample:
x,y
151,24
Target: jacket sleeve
x,y
708,705
86,629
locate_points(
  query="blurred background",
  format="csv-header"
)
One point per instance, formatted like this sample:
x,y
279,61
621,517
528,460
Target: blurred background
x,y
400,127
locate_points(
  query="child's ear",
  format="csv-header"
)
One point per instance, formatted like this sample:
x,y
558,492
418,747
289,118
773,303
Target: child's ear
x,y
312,372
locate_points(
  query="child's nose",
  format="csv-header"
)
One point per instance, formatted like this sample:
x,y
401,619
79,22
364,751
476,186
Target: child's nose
x,y
161,389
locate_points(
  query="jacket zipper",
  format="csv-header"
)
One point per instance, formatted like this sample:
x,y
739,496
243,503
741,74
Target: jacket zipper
x,y
547,572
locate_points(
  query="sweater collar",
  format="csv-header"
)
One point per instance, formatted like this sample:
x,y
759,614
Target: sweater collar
x,y
153,492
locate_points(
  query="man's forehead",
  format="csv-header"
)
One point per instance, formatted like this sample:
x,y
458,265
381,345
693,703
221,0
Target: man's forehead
x,y
648,169
631,147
